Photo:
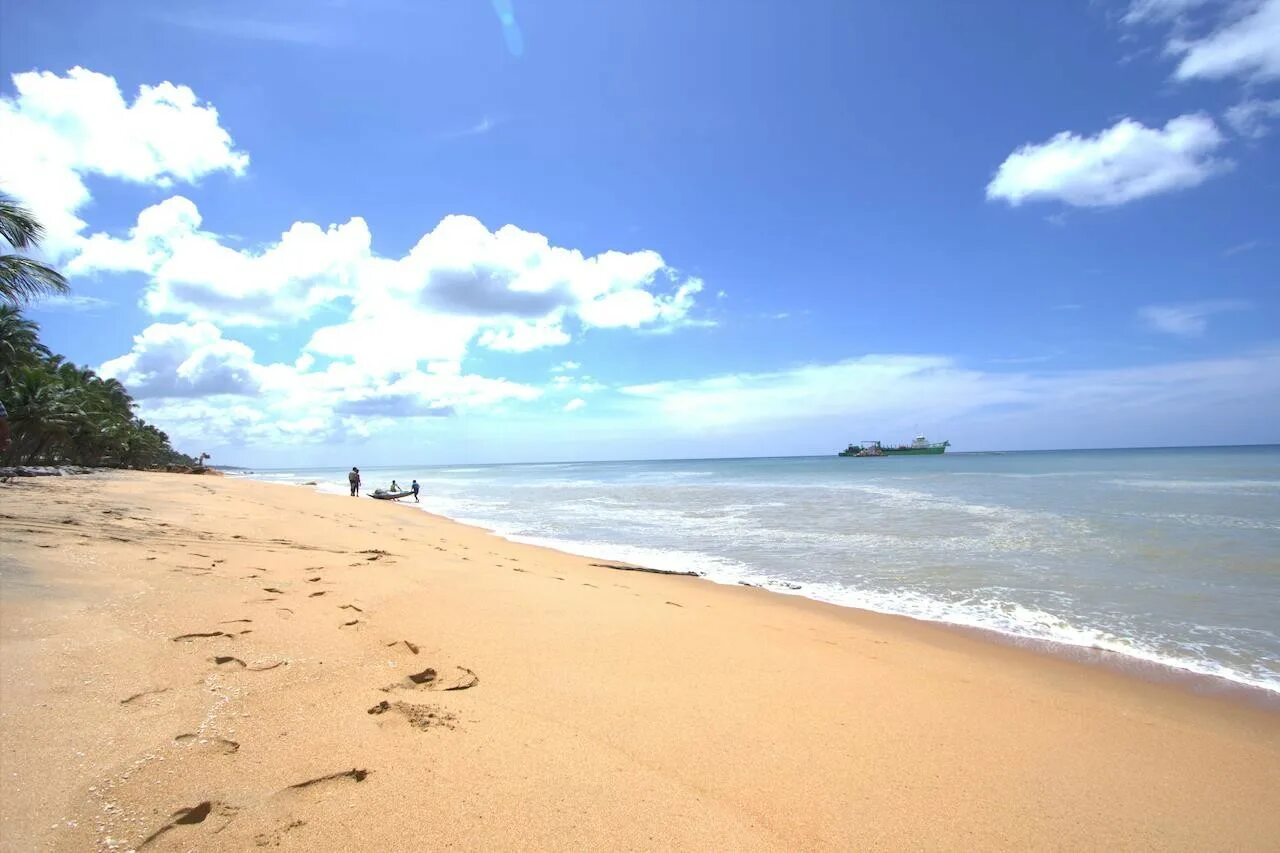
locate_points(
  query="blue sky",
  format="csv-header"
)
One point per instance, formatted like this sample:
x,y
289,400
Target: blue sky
x,y
736,228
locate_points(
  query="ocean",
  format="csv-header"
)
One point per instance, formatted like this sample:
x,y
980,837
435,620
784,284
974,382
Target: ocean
x,y
1164,555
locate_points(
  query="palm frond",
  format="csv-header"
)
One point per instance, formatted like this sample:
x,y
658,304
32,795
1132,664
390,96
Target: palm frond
x,y
18,226
23,279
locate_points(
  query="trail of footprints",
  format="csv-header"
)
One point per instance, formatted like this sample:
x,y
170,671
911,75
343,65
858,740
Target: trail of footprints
x,y
418,716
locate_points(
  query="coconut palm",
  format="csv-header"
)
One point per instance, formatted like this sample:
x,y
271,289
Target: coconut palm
x,y
61,412
19,342
22,278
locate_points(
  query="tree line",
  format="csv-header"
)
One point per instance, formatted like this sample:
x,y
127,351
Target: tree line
x,y
59,412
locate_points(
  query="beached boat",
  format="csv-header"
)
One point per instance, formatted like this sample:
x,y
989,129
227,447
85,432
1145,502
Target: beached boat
x,y
384,495
921,446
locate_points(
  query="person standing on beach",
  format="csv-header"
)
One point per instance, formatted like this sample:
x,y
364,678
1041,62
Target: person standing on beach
x,y
354,479
415,492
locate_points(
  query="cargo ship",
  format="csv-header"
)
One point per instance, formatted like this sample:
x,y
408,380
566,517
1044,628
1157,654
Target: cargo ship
x,y
921,446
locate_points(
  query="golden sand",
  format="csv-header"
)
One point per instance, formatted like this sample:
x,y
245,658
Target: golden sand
x,y
204,663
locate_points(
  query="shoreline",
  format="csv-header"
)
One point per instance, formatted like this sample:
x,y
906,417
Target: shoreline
x,y
1130,665
218,664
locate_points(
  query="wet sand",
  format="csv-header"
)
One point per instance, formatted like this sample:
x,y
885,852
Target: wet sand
x,y
208,663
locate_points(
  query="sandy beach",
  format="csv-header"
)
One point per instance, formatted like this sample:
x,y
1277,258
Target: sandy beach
x,y
210,663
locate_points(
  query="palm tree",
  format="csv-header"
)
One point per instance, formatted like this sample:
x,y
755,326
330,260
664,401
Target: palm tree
x,y
22,278
19,342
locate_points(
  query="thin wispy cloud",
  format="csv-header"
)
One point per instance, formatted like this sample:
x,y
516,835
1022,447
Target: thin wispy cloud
x,y
480,128
1189,319
1240,248
1024,359
71,302
291,32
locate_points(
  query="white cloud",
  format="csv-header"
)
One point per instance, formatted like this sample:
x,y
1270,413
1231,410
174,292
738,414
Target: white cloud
x,y
885,395
193,275
388,336
871,386
575,404
1189,319
566,367
185,360
70,302
1141,11
524,336
1250,117
59,129
1246,44
508,290
192,381
292,31
1241,248
1125,162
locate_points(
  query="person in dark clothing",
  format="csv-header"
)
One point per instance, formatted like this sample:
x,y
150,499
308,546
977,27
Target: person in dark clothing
x,y
354,480
415,491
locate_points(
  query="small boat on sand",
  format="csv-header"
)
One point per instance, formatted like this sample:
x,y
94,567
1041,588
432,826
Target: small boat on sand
x,y
384,495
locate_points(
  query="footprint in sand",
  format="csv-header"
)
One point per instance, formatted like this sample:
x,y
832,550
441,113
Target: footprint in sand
x,y
196,814
429,679
355,774
145,693
223,660
421,717
189,637
218,745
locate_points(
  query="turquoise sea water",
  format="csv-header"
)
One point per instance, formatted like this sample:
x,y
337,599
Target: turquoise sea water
x,y
1168,555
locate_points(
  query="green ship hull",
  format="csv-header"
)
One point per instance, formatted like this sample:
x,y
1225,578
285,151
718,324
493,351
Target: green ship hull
x,y
932,450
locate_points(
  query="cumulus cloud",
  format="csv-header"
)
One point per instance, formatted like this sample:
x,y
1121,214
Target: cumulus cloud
x,y
194,275
1251,117
388,334
193,381
1188,319
509,290
57,130
575,404
1125,162
184,360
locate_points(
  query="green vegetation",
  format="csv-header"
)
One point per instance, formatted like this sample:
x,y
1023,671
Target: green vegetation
x,y
21,277
59,412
